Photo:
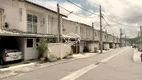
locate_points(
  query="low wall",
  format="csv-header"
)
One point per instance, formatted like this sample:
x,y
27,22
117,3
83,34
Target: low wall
x,y
117,45
113,45
106,46
59,50
93,46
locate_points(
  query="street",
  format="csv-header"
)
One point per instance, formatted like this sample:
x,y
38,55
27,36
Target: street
x,y
120,67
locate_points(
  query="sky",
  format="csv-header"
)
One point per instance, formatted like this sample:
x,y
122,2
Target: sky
x,y
125,14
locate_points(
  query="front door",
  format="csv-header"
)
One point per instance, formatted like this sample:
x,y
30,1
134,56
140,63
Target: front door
x,y
30,50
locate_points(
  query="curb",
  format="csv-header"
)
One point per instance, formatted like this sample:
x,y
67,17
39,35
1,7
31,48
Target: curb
x,y
43,65
18,66
36,63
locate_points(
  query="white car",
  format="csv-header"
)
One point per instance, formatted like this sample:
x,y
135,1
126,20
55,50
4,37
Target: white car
x,y
8,55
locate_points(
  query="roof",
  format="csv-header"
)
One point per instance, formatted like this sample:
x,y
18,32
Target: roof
x,y
78,22
43,7
18,33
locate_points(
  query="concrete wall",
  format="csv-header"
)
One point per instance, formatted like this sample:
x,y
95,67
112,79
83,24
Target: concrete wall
x,y
12,14
117,45
15,14
59,50
70,27
109,38
104,38
106,46
51,23
82,44
93,46
83,32
96,35
86,32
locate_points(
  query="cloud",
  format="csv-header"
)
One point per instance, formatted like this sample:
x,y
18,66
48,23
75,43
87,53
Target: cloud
x,y
127,12
124,11
52,4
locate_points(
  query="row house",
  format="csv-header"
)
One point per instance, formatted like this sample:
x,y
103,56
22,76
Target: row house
x,y
86,32
26,22
71,27
90,37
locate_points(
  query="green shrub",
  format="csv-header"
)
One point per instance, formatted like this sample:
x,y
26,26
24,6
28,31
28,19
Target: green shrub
x,y
42,47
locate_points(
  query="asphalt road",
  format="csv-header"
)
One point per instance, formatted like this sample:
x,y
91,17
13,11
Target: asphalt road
x,y
120,67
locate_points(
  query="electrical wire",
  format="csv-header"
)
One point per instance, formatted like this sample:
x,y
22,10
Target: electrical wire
x,y
117,21
75,13
108,26
82,8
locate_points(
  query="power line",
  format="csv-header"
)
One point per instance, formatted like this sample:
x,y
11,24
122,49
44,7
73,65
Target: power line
x,y
117,21
111,20
108,26
75,13
82,8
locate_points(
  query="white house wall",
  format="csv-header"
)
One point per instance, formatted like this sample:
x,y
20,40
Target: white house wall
x,y
12,14
60,50
96,35
106,46
82,46
83,32
70,27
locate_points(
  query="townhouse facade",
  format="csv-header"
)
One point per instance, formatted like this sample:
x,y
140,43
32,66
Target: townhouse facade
x,y
90,37
27,22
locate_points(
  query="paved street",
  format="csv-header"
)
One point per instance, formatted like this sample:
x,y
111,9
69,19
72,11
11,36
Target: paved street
x,y
120,67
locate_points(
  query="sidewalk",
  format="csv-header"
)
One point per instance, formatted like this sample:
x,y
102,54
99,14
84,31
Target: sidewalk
x,y
136,56
24,68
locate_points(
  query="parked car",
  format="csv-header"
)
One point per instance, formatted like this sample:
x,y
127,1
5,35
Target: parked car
x,y
8,55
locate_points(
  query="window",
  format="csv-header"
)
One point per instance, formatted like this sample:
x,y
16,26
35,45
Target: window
x,y
29,18
29,43
32,23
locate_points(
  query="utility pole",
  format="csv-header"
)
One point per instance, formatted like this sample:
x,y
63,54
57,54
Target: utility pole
x,y
125,39
140,45
113,42
93,31
117,42
120,37
59,25
138,41
140,34
101,42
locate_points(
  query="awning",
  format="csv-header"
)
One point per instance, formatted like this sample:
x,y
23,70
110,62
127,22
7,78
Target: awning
x,y
18,33
71,36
